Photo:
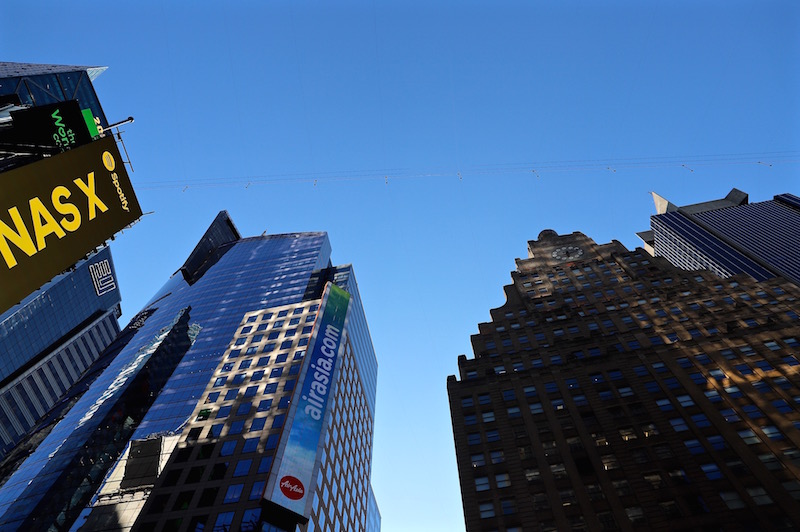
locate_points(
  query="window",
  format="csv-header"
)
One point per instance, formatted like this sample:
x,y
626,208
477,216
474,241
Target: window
x,y
250,445
488,417
679,424
770,461
536,408
507,506
793,487
763,365
713,396
700,420
733,391
749,437
609,462
652,387
258,424
694,446
717,374
781,406
233,494
242,468
227,448
732,500
625,391
558,470
759,496
486,510
482,484
477,460
622,487
497,457
533,475
730,415
492,436
717,442
772,432
752,411
635,514
649,430
502,480
654,479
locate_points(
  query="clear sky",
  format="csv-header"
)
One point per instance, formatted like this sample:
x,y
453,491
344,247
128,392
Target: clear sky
x,y
431,140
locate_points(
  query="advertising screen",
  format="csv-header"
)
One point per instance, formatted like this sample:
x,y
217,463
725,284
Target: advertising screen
x,y
289,486
56,210
59,125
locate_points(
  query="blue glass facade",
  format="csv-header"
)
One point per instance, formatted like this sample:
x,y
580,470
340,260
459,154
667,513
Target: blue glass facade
x,y
37,84
164,366
688,246
51,313
767,230
49,340
761,239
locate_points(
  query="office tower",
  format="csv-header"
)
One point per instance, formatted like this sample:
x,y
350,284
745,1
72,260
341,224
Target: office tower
x,y
50,339
729,235
51,330
613,391
229,376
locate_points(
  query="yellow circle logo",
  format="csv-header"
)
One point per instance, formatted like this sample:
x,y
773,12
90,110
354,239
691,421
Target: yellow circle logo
x,y
108,161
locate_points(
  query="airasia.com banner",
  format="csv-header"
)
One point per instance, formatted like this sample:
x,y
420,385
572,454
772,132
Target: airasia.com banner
x,y
290,483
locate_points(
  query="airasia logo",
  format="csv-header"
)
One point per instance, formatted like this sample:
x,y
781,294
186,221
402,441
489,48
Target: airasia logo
x,y
292,487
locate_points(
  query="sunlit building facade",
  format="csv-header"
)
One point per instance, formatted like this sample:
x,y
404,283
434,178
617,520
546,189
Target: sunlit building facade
x,y
194,419
613,391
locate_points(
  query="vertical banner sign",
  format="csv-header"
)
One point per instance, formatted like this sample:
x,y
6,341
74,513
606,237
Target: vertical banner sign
x,y
294,476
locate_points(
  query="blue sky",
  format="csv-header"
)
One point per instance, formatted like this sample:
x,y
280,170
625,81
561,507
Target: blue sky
x,y
431,141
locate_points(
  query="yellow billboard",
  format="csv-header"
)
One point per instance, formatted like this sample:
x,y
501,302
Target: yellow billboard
x,y
56,210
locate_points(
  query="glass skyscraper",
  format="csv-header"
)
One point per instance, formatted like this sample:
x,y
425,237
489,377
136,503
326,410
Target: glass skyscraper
x,y
189,424
729,236
50,339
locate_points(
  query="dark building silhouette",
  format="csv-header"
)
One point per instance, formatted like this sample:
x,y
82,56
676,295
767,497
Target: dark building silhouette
x,y
614,391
